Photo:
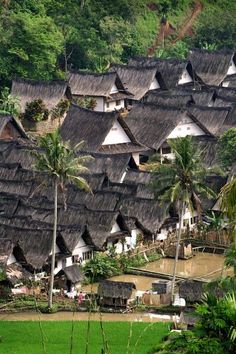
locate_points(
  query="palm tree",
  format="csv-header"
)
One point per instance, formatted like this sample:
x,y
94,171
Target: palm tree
x,y
228,205
62,164
181,182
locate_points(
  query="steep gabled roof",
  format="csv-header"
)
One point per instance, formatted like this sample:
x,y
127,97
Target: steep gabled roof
x,y
211,67
90,84
171,70
137,80
213,118
7,118
36,245
150,214
51,92
93,127
152,124
113,165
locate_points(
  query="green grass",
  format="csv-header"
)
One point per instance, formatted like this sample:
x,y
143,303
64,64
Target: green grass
x,y
24,337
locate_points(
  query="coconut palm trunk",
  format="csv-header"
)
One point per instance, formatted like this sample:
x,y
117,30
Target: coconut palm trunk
x,y
53,245
181,217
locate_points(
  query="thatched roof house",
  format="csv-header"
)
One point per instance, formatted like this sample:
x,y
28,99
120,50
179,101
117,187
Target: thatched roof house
x,y
215,119
11,128
114,293
51,92
191,290
138,80
101,131
152,124
103,84
174,72
211,67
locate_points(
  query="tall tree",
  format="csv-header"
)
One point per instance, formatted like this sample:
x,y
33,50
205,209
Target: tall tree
x,y
62,164
181,182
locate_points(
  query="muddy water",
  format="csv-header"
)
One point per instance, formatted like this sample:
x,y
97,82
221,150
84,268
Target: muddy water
x,y
202,265
84,316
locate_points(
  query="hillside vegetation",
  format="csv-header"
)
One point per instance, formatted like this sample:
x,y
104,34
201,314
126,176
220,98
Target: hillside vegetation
x,y
43,39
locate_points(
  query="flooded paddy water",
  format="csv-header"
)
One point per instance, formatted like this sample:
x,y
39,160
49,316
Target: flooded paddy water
x,y
202,265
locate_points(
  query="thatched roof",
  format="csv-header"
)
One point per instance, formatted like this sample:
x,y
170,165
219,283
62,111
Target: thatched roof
x,y
115,289
90,84
113,165
35,245
137,177
211,67
93,127
151,124
165,99
191,290
171,70
51,92
230,81
203,97
17,128
212,118
150,214
73,273
225,92
137,80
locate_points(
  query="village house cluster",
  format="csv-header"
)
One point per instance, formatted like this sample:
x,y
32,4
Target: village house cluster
x,y
124,116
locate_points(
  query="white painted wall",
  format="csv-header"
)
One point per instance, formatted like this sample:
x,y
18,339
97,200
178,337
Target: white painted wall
x,y
116,135
113,105
189,219
135,156
114,89
100,104
154,85
186,127
11,259
115,228
185,78
232,68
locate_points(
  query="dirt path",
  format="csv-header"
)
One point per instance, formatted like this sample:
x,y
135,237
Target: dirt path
x,y
166,29
186,28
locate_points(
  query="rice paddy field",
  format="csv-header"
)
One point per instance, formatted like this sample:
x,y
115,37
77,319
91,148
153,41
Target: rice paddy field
x,y
70,337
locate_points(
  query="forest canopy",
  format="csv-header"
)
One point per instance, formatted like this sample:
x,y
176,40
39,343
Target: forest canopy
x,y
43,39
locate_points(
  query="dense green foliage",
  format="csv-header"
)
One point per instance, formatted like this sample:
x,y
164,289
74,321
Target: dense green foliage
x,y
56,336
43,39
105,266
214,333
227,144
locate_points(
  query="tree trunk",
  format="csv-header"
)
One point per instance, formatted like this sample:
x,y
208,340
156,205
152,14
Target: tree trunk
x,y
181,216
53,245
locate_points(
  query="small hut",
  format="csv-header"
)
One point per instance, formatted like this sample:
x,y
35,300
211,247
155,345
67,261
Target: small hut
x,y
191,290
185,251
114,293
69,277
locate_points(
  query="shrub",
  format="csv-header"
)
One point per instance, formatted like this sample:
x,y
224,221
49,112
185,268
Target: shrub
x,y
60,109
87,102
36,111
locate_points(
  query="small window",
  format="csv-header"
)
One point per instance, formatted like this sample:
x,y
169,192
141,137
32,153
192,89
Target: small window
x,y
108,104
188,128
87,255
166,150
118,103
179,129
56,264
